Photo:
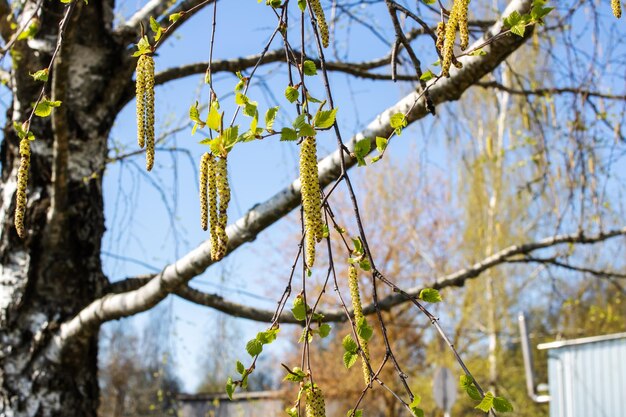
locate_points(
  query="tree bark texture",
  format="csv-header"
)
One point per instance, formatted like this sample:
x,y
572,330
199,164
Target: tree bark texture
x,y
48,277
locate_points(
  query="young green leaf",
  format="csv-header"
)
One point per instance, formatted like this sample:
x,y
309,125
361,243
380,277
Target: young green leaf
x,y
308,333
296,375
214,120
363,329
288,134
502,405
270,117
174,17
349,344
240,368
268,336
45,106
230,388
398,122
467,384
427,76
364,264
154,25
349,359
41,75
430,295
358,246
299,309
254,347
306,130
324,119
300,121
194,114
361,149
353,413
309,68
486,403
291,94
381,144
324,330
230,136
414,406
516,23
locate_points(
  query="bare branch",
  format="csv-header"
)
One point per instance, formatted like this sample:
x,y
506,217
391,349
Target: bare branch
x,y
551,91
455,279
600,273
156,9
216,302
260,217
458,278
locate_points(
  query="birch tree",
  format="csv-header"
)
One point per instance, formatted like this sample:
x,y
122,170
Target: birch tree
x,y
70,70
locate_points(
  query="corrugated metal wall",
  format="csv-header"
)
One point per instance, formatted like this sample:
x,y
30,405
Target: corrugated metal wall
x,y
588,379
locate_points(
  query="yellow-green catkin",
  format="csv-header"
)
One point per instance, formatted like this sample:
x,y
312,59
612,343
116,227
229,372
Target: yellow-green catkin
x,y
205,162
145,107
223,193
457,20
315,406
441,36
463,5
212,197
140,89
448,44
353,283
22,182
316,6
311,198
616,5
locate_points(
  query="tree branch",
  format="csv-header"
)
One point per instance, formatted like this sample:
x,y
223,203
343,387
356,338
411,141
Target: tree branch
x,y
261,216
457,279
555,261
550,91
130,30
215,301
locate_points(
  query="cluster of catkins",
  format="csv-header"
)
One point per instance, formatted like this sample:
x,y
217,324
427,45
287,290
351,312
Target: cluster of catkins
x,y
446,35
353,283
144,88
311,198
22,181
213,187
321,21
616,5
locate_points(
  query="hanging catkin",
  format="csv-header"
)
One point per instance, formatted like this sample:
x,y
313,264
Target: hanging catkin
x,y
457,20
311,198
316,6
212,197
145,107
463,5
616,5
205,161
353,283
223,193
140,89
441,36
22,181
315,406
